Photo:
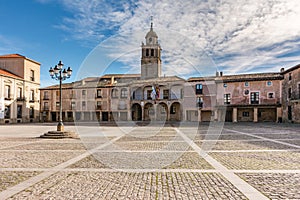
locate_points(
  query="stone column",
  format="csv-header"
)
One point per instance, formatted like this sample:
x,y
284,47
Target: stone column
x,y
143,111
255,113
216,115
279,114
199,116
234,115
129,115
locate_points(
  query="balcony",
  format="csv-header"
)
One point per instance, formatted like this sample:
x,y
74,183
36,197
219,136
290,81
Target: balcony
x,y
46,98
46,108
98,107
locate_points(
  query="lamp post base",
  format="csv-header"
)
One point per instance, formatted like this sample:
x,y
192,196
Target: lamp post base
x,y
60,126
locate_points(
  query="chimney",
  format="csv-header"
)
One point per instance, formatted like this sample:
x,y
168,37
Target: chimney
x,y
112,80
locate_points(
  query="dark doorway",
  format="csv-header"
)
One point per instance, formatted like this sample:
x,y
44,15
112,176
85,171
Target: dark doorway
x,y
136,112
104,116
228,116
290,117
53,116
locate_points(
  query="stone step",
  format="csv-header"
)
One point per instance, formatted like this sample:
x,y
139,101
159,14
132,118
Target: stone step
x,y
59,135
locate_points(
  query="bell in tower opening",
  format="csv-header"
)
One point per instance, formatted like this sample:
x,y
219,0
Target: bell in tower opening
x,y
151,56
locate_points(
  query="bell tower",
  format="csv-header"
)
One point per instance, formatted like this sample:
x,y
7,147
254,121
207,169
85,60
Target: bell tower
x,y
151,56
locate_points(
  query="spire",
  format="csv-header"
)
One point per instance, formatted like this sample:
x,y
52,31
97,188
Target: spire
x,y
151,19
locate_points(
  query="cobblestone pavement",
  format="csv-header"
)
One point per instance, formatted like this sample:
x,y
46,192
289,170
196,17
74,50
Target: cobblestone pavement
x,y
237,161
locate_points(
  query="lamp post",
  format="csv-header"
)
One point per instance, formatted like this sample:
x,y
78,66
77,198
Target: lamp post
x,y
60,74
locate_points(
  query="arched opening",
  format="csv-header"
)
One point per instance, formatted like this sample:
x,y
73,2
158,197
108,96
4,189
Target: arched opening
x,y
136,112
149,113
162,112
175,112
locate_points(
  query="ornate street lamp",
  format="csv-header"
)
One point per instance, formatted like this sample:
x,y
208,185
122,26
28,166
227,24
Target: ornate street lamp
x,y
60,74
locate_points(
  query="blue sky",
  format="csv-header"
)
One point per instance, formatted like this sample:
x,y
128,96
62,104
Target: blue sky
x,y
197,37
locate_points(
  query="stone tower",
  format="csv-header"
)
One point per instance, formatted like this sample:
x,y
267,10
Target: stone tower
x,y
151,56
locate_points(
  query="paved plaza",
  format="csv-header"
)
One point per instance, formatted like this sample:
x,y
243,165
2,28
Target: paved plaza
x,y
155,161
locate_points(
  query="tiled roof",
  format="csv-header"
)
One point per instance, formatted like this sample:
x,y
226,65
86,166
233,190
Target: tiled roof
x,y
7,73
249,77
291,69
18,56
121,76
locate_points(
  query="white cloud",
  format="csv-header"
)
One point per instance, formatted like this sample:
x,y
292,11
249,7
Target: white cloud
x,y
239,35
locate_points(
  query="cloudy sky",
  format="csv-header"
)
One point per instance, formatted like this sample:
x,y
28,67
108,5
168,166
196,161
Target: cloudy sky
x,y
197,37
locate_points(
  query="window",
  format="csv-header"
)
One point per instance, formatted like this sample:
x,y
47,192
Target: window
x,y
83,105
46,105
46,95
270,95
173,109
7,92
199,102
31,112
290,93
299,91
166,94
114,93
99,93
83,92
7,112
225,85
254,97
290,76
19,93
57,105
227,99
31,75
147,52
149,94
19,111
246,84
199,89
57,93
269,83
245,114
73,105
31,96
152,52
72,94
98,105
124,93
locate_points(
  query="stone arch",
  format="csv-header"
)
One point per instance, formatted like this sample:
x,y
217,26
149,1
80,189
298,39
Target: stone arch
x,y
149,113
162,112
175,111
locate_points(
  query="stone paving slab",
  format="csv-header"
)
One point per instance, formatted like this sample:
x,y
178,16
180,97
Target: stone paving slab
x,y
122,185
149,146
49,146
292,141
241,145
282,136
275,186
10,178
259,160
34,159
182,160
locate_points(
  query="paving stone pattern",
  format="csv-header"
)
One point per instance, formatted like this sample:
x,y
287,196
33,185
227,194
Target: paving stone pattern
x,y
155,163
